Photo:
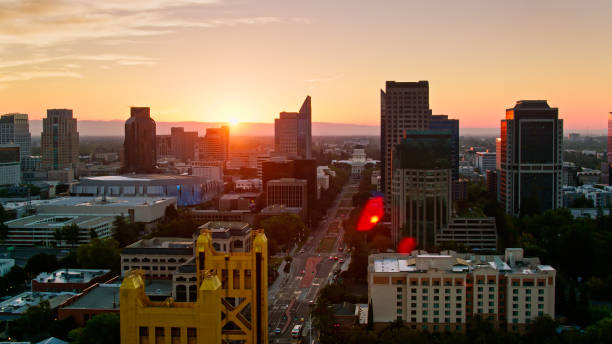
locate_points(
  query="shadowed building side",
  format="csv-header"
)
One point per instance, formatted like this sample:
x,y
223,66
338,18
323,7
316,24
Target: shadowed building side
x,y
139,146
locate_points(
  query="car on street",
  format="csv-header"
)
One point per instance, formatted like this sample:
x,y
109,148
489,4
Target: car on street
x,y
335,258
303,272
277,330
341,261
331,258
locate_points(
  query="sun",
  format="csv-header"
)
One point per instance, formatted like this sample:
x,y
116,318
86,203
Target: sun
x,y
233,122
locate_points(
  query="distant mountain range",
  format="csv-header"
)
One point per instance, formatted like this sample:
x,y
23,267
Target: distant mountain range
x,y
116,128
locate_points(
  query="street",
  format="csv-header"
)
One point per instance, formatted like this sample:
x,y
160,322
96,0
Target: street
x,y
293,294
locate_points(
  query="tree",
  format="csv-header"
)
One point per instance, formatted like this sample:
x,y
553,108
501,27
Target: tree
x,y
58,236
71,234
582,202
100,254
61,328
542,328
92,233
33,323
285,229
14,279
171,213
125,233
101,329
41,262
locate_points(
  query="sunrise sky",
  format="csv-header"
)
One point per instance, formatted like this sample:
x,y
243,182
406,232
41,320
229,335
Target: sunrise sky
x,y
246,60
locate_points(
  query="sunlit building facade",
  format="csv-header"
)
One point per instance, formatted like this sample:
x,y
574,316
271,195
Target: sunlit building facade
x,y
446,292
293,132
231,304
59,140
139,145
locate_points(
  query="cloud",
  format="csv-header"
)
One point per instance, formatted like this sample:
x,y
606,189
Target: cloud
x,y
46,23
21,76
120,59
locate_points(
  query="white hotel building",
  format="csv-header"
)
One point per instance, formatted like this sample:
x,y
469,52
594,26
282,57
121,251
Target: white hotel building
x,y
445,292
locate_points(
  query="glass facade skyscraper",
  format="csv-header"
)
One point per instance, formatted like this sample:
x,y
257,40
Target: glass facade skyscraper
x,y
531,160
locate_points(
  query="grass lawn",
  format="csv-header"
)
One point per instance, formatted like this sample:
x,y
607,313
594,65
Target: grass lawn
x,y
326,244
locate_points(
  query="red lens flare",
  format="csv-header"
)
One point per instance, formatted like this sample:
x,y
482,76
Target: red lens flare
x,y
372,213
406,245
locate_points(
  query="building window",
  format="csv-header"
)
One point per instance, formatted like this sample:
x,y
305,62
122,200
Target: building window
x,y
159,335
143,334
192,335
175,335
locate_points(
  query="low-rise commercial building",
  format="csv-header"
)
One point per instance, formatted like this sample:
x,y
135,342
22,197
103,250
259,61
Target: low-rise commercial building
x,y
90,214
14,307
104,298
447,291
74,280
600,195
200,217
188,190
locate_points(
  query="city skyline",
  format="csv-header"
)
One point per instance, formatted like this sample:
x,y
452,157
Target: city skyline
x,y
219,61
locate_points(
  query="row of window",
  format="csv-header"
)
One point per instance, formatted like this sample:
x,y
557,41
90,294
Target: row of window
x,y
175,334
154,260
149,268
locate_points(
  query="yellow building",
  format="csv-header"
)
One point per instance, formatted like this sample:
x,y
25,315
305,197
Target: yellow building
x,y
231,305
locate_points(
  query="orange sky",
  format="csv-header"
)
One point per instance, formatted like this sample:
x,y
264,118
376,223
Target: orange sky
x,y
218,60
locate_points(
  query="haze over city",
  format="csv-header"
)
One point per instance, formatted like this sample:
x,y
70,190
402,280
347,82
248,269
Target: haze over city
x,y
230,61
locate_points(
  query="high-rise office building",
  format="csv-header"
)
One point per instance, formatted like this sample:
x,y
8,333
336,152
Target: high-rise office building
x,y
421,186
288,192
183,143
10,165
531,158
403,106
215,145
59,140
441,122
139,143
610,148
293,132
163,146
15,129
